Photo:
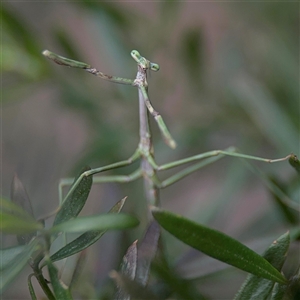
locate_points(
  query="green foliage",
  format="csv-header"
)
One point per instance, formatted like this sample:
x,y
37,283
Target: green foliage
x,y
85,240
16,261
75,199
16,221
60,290
217,245
254,286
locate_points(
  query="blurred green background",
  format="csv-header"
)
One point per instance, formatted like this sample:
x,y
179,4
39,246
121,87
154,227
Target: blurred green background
x,y
229,75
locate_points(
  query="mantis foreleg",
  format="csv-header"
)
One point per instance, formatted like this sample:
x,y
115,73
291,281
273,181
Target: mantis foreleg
x,y
158,118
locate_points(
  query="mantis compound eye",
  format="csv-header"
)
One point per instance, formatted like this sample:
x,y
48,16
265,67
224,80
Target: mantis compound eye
x,y
154,67
142,61
136,55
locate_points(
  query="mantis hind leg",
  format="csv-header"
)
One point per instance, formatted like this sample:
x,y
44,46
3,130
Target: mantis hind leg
x,y
123,178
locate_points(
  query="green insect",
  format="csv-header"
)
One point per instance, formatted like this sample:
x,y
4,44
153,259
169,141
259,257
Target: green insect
x,y
148,167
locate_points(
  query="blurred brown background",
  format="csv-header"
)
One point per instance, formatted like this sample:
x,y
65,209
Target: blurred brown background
x,y
229,75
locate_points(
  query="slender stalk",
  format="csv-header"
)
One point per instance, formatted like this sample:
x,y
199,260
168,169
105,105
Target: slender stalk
x,y
40,278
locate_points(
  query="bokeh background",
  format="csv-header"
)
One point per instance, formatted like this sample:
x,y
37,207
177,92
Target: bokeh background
x,y
229,75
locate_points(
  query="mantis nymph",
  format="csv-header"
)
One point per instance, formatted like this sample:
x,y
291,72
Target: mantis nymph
x,y
148,168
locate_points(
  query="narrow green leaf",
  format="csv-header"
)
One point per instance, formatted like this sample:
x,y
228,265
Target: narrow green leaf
x,y
295,163
255,287
20,31
279,292
132,288
146,252
61,291
11,224
8,206
60,60
116,16
129,262
295,233
66,43
78,269
289,215
287,292
128,269
17,264
20,197
217,245
86,239
97,222
8,255
73,205
259,103
192,54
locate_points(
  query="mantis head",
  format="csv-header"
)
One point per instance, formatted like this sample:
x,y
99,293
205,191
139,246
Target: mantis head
x,y
143,62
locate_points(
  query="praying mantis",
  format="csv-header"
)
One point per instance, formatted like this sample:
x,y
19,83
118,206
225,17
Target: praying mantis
x,y
148,168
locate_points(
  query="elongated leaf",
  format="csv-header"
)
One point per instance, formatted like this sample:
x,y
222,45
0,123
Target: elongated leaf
x,y
85,240
20,197
66,43
279,292
11,224
288,214
287,292
73,205
116,15
8,255
146,252
61,291
295,163
20,31
259,104
129,262
255,287
97,222
78,269
128,269
16,265
132,288
217,245
9,207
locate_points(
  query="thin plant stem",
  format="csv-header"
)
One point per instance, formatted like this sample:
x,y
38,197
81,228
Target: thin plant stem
x,y
40,278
